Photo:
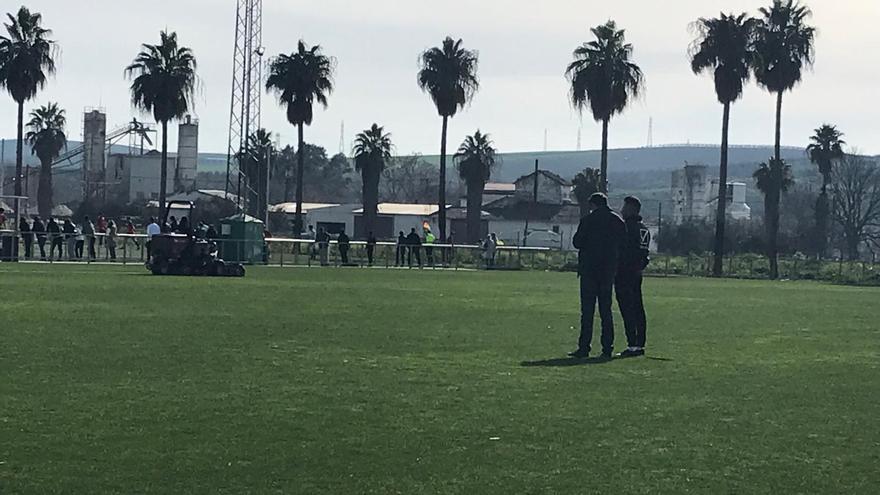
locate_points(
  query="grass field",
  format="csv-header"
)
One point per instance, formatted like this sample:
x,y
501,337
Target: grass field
x,y
375,381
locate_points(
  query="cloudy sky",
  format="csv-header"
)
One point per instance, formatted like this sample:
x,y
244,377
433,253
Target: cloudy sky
x,y
524,46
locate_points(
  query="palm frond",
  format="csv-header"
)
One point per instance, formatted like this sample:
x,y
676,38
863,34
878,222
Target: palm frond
x,y
301,79
603,75
448,74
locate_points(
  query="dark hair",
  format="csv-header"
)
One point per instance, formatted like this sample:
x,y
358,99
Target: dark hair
x,y
634,201
598,199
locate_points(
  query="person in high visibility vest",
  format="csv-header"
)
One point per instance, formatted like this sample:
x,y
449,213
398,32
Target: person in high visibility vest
x,y
429,248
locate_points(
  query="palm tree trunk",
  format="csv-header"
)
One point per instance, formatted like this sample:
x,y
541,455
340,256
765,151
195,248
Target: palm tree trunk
x,y
370,199
474,209
163,173
721,214
822,210
603,170
44,191
442,201
771,205
18,148
777,152
773,219
300,164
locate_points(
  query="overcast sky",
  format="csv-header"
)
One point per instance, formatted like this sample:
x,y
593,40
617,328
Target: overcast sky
x,y
524,46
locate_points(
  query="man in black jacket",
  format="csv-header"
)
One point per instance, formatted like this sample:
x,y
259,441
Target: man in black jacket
x,y
415,248
628,284
598,240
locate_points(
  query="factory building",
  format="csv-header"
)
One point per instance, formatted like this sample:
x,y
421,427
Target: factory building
x,y
695,196
134,178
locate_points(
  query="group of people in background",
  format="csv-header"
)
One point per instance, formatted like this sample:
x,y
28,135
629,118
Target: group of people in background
x,y
77,240
409,248
72,241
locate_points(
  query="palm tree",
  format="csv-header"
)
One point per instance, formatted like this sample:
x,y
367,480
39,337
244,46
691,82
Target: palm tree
x,y
163,82
584,185
723,46
449,75
783,47
284,164
299,80
604,76
47,138
476,158
826,146
372,151
773,179
26,59
257,160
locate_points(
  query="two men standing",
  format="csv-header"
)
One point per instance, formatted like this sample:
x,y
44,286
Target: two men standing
x,y
611,251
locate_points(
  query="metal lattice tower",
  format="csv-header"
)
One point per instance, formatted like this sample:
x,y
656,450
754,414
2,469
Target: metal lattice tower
x,y
247,87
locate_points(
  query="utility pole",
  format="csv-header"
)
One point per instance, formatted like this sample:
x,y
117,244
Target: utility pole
x,y
534,206
2,167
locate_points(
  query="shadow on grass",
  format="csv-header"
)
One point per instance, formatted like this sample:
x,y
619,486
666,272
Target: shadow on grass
x,y
570,361
564,362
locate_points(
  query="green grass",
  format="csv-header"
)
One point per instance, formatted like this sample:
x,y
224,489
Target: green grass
x,y
346,381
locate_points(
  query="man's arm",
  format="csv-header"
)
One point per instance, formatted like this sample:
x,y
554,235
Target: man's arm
x,y
580,237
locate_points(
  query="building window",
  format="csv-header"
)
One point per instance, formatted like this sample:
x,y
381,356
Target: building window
x,y
556,229
140,195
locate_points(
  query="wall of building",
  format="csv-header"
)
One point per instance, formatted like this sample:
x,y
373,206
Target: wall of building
x,y
136,178
689,193
549,191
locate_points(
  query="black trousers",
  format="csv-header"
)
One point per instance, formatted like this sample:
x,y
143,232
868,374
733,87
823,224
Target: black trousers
x,y
92,253
400,256
370,249
628,286
343,253
28,245
57,242
596,287
414,251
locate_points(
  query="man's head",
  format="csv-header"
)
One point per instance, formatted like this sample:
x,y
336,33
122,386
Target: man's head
x,y
152,220
597,200
631,207
86,218
412,231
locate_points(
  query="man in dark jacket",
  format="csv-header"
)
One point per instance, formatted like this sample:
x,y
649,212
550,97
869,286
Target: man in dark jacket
x,y
628,284
25,229
56,239
414,242
343,242
39,230
598,240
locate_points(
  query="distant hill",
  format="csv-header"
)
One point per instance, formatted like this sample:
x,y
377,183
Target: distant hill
x,y
569,163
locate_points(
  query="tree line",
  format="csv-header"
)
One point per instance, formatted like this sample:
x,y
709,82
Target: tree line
x,y
775,47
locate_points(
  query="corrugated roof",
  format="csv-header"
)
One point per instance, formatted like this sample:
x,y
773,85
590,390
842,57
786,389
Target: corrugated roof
x,y
290,208
499,187
417,210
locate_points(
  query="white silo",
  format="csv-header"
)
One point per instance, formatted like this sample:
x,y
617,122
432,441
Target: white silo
x,y
187,155
94,138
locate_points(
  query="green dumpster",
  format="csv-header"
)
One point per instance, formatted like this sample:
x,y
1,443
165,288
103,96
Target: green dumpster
x,y
241,239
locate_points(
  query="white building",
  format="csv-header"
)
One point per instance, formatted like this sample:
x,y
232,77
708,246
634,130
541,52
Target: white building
x,y
737,208
694,196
